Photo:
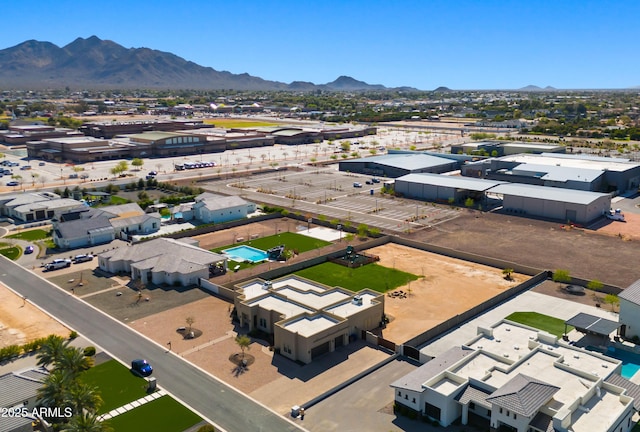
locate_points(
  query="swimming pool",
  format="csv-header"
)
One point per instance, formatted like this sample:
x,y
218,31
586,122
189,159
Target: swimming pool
x,y
246,253
630,361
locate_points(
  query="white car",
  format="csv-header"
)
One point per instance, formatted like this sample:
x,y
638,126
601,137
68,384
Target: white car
x,y
82,258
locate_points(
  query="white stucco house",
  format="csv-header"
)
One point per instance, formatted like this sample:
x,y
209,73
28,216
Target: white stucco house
x,y
511,377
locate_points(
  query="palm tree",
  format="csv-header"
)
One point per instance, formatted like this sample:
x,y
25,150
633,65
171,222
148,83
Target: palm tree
x,y
51,350
52,392
243,342
83,398
73,361
86,422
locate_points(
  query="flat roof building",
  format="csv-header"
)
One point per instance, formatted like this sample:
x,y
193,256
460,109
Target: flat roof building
x,y
514,377
307,319
397,165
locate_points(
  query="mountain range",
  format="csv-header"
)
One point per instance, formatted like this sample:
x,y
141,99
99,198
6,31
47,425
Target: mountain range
x,y
94,63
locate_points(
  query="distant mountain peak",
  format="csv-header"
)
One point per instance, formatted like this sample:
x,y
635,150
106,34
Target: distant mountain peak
x,y
100,64
536,88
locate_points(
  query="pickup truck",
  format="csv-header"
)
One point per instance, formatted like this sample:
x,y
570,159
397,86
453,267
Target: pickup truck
x,y
57,264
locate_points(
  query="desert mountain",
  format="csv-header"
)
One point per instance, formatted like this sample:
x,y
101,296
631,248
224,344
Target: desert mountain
x,y
97,63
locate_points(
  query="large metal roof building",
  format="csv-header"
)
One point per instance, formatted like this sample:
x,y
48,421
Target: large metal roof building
x,y
397,165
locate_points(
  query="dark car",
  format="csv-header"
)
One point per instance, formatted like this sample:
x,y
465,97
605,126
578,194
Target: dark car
x,y
375,180
141,367
153,173
28,250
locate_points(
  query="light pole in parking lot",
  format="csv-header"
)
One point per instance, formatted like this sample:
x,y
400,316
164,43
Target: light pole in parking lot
x,y
339,226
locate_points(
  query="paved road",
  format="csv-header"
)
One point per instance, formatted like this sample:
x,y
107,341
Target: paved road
x,y
219,403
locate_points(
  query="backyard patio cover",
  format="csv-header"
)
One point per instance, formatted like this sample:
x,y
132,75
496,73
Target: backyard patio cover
x,y
592,324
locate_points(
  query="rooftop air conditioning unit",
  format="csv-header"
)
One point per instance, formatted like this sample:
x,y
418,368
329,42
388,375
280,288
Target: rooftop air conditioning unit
x,y
357,300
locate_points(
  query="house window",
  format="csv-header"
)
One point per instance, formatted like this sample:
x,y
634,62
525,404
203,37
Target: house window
x,y
406,397
500,410
263,323
414,400
399,393
514,416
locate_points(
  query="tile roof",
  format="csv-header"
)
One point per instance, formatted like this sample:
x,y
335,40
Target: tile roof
x,y
476,395
542,422
633,390
414,379
523,395
631,293
17,388
81,227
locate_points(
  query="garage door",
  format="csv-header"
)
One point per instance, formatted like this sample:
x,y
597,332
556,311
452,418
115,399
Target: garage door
x,y
319,350
339,341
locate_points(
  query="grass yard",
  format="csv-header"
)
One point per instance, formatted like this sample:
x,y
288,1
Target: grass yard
x,y
31,235
163,414
238,123
552,325
12,253
373,276
117,385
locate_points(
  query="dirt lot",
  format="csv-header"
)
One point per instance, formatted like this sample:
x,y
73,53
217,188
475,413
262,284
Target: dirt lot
x,y
21,322
540,244
449,287
628,230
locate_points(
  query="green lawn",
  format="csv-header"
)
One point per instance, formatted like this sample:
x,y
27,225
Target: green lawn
x,y
117,385
163,414
12,253
552,325
299,242
373,276
32,235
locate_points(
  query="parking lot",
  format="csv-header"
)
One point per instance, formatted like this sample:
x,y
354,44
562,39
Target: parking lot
x,y
331,193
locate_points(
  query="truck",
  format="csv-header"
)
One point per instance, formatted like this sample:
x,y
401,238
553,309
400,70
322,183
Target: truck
x,y
615,215
57,264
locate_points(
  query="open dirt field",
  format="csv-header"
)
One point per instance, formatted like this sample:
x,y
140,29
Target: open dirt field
x,y
540,244
628,230
449,287
21,322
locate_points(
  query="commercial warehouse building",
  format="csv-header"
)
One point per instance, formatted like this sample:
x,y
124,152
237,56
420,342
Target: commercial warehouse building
x,y
577,206
552,203
397,165
504,148
307,319
589,173
434,187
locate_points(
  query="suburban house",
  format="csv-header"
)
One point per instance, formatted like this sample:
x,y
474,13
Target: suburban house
x,y
512,377
213,208
629,315
210,208
19,390
162,261
88,226
307,319
35,206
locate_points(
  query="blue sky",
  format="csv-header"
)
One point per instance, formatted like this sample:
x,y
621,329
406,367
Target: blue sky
x,y
424,44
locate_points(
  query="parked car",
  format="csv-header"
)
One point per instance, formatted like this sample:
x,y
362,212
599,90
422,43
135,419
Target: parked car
x,y
13,183
82,258
375,180
41,164
152,173
25,167
369,182
141,367
28,250
57,264
357,185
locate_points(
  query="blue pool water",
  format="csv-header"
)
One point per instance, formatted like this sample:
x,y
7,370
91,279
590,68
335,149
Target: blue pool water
x,y
246,253
630,361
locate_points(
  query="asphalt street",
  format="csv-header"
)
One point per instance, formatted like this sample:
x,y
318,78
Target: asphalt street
x,y
222,405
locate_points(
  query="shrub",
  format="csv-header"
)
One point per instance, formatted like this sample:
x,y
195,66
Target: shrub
x,y
73,334
89,351
9,352
206,428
